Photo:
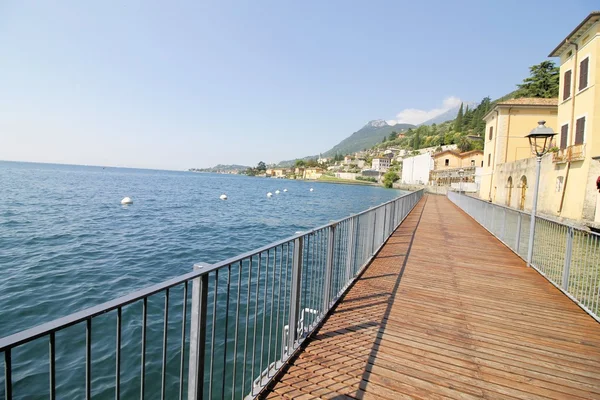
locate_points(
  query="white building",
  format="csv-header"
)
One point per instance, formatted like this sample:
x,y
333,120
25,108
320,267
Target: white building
x,y
415,170
381,164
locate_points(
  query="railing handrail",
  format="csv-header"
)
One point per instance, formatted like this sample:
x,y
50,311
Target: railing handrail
x,y
546,218
57,324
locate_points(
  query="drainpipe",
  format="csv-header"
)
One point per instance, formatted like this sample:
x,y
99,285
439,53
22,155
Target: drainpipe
x,y
571,124
507,136
493,158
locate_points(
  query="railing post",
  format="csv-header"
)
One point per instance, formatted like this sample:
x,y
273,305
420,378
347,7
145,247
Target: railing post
x,y
384,228
350,254
374,212
518,238
568,253
484,214
198,335
295,293
328,270
503,223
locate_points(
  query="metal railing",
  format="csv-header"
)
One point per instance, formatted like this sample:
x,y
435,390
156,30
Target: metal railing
x,y
567,256
575,152
228,338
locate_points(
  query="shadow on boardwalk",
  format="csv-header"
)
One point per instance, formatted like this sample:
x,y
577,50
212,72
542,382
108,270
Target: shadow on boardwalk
x,y
447,311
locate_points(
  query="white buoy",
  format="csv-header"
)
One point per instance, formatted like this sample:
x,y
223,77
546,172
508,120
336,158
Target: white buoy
x,y
277,192
223,197
311,189
126,200
285,190
269,194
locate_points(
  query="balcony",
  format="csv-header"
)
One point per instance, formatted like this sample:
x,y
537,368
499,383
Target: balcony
x,y
569,154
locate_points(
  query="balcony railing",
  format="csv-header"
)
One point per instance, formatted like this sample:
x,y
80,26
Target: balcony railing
x,y
569,154
221,331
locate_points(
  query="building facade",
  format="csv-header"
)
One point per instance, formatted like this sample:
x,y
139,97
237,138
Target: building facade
x,y
415,170
505,142
381,164
450,167
579,120
570,171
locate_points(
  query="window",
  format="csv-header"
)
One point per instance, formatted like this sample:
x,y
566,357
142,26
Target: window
x,y
559,183
481,163
489,159
564,133
567,85
579,130
583,73
472,163
446,162
491,133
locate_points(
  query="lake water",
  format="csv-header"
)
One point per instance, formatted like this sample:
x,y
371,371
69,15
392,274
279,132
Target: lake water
x,y
66,243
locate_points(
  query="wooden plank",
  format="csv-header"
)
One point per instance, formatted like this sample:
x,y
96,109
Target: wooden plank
x,y
467,319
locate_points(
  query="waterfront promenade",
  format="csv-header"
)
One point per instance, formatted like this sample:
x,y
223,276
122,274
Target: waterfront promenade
x,y
447,311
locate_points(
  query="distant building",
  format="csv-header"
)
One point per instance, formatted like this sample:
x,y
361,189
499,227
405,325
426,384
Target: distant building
x,y
415,170
347,160
450,167
453,159
313,173
370,173
381,164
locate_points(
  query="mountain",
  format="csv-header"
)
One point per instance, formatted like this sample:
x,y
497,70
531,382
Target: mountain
x,y
221,168
365,138
291,163
448,115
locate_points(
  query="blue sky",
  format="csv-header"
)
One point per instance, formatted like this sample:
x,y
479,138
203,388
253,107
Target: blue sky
x,y
182,84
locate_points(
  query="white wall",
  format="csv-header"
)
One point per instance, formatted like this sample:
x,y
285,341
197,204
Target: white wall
x,y
415,170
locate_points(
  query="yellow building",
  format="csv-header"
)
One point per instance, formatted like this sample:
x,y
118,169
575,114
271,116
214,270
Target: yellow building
x,y
453,159
579,120
313,173
569,173
450,166
505,142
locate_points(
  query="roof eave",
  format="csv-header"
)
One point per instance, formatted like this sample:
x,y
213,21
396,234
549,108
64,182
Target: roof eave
x,y
485,117
557,51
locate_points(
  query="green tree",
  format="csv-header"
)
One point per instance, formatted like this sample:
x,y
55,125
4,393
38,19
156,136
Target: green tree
x,y
464,144
416,140
449,138
393,135
261,166
299,163
458,122
542,82
467,119
389,178
384,139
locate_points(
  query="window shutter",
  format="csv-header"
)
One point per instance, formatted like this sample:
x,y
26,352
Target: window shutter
x,y
567,85
583,73
491,133
579,129
564,135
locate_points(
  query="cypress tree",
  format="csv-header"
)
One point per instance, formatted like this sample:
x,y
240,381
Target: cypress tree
x,y
458,123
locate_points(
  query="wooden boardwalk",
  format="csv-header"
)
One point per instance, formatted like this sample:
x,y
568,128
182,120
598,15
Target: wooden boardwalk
x,y
447,311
